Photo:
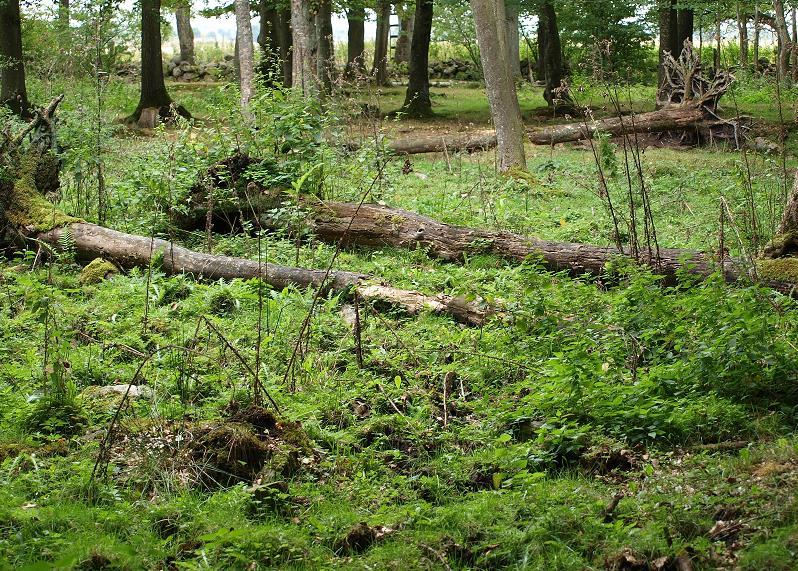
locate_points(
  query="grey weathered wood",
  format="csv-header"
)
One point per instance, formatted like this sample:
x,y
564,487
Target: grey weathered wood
x,y
129,250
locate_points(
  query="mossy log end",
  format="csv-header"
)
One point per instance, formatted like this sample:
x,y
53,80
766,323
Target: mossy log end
x,y
27,210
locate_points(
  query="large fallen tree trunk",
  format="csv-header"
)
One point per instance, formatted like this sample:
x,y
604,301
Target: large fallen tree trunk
x,y
469,142
90,241
375,225
675,118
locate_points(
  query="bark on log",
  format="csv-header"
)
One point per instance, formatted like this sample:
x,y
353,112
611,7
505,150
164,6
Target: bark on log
x,y
127,251
375,225
469,142
675,118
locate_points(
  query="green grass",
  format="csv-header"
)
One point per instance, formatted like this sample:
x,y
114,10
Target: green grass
x,y
588,388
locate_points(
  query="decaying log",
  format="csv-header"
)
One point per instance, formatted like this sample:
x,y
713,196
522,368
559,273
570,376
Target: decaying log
x,y
377,225
675,118
374,225
469,142
128,250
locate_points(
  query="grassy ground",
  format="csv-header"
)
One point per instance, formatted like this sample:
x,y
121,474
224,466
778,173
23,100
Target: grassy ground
x,y
610,424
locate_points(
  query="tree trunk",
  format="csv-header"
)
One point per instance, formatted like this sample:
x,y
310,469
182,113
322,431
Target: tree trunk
x,y
512,33
246,53
499,83
552,56
270,67
326,53
153,89
185,34
356,42
13,92
285,40
404,41
417,100
672,118
668,31
540,65
372,225
794,48
129,251
742,28
716,62
469,142
784,39
380,68
684,29
756,37
64,14
304,51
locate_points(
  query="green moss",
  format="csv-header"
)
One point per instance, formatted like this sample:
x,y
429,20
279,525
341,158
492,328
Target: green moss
x,y
96,271
781,244
27,207
779,269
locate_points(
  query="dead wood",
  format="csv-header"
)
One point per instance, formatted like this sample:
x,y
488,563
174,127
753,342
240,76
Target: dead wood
x,y
468,142
375,225
128,250
676,118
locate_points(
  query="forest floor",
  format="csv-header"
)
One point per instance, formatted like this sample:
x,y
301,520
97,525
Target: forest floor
x,y
609,423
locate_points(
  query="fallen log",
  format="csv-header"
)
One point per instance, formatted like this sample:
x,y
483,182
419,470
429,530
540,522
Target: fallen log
x,y
374,225
468,142
674,118
26,214
89,241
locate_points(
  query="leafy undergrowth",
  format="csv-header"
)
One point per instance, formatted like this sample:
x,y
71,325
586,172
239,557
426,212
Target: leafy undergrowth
x,y
598,428
599,423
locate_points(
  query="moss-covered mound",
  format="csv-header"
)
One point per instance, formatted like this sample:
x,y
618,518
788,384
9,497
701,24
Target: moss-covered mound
x,y
778,269
249,445
27,207
96,271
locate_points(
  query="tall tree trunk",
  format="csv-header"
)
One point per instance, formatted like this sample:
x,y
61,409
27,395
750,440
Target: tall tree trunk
x,y
64,14
270,68
491,26
794,48
13,92
756,36
540,65
417,101
380,68
684,29
718,46
512,34
404,41
185,34
325,54
285,40
303,50
552,56
153,88
783,37
667,29
356,42
742,28
246,53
